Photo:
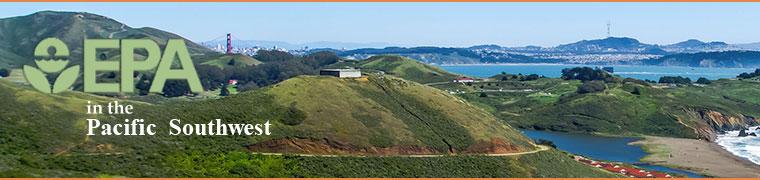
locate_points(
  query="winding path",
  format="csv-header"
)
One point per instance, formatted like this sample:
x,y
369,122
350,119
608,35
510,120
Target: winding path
x,y
110,36
540,148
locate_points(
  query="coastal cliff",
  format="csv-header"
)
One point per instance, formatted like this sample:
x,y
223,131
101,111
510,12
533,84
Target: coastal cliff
x,y
710,123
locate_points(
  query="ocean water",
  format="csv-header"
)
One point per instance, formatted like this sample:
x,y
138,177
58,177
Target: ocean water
x,y
639,72
745,147
613,149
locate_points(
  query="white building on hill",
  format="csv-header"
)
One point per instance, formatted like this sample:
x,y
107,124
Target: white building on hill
x,y
341,73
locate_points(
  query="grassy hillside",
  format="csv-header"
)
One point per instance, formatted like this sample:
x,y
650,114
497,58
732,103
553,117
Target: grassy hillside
x,y
406,68
20,35
394,115
44,135
623,108
235,60
551,163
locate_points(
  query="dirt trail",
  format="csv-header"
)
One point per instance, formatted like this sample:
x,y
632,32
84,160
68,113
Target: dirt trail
x,y
110,36
540,148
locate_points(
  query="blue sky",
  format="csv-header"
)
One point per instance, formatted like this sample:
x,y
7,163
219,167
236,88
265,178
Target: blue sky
x,y
439,24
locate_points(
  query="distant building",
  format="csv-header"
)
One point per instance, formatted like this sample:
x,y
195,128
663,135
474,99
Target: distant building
x,y
341,73
464,80
609,69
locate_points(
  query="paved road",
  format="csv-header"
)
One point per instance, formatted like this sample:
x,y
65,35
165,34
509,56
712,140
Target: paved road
x,y
540,148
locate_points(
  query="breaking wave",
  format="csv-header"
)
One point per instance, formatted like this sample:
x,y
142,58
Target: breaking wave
x,y
745,147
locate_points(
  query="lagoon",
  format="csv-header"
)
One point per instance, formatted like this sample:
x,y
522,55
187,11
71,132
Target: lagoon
x,y
615,149
639,72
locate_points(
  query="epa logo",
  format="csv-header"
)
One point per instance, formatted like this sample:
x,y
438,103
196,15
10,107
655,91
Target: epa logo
x,y
52,57
51,63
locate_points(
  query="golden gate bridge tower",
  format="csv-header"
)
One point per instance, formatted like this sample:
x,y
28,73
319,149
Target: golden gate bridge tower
x,y
229,43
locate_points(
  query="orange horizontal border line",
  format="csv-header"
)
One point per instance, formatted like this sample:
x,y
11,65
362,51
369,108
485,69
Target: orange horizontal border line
x,y
378,1
386,178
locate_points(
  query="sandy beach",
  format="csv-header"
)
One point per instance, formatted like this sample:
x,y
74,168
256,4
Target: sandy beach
x,y
703,157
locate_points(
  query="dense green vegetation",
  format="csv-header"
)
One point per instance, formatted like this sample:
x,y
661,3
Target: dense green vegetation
x,y
379,112
591,87
624,107
587,74
543,164
674,80
519,77
750,74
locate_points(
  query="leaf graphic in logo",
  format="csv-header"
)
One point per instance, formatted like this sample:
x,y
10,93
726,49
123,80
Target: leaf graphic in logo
x,y
66,79
35,77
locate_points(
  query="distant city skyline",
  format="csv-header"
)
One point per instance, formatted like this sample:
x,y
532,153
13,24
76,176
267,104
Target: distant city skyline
x,y
431,24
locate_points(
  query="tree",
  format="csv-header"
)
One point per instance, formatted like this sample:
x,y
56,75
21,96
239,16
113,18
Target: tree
x,y
546,143
591,87
211,76
175,88
273,56
675,80
5,72
321,58
586,74
749,75
703,80
483,94
225,91
531,77
143,85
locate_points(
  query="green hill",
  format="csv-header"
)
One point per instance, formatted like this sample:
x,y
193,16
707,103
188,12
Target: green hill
x,y
386,115
406,68
235,60
623,108
43,135
20,35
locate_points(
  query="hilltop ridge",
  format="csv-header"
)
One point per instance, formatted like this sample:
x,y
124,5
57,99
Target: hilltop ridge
x,y
21,34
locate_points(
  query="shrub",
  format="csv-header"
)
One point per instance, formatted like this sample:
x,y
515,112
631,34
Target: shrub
x,y
703,80
546,143
675,80
247,86
482,94
635,81
5,72
224,91
531,77
591,87
294,116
